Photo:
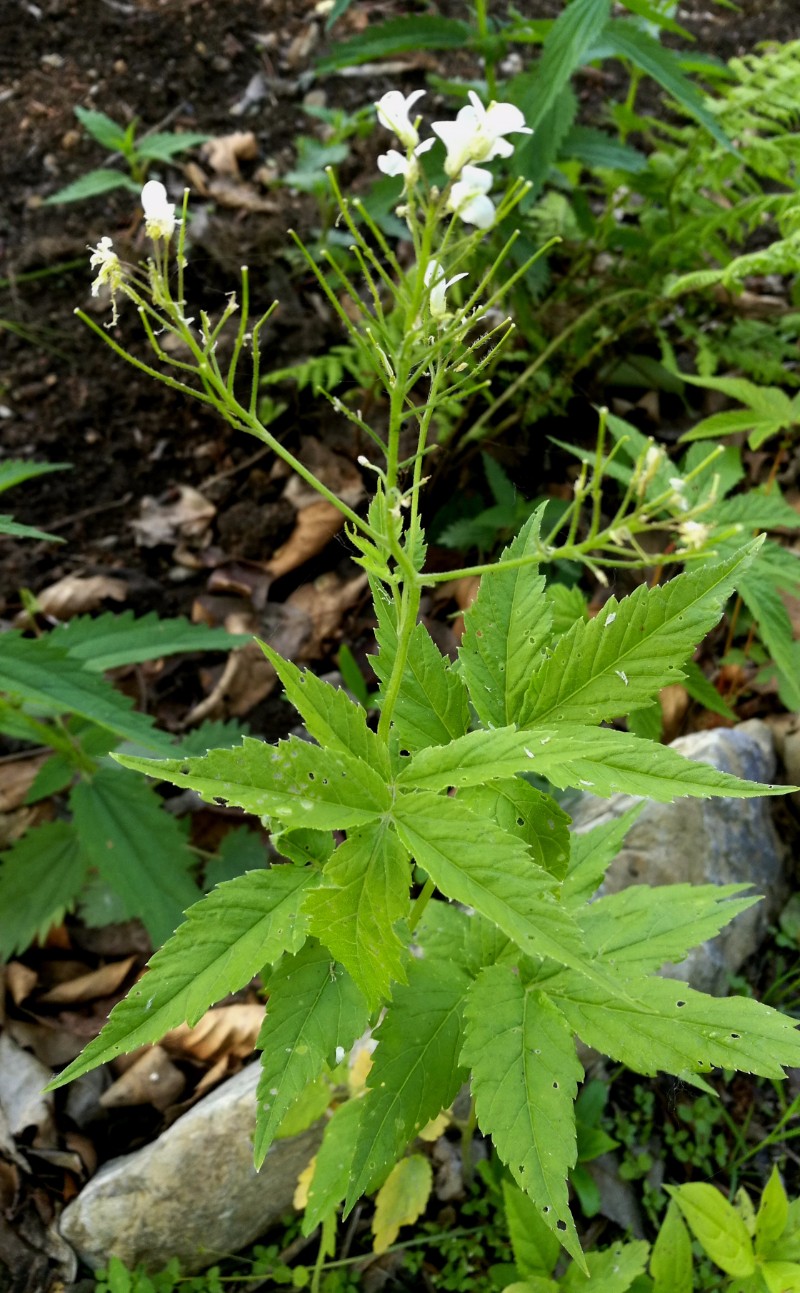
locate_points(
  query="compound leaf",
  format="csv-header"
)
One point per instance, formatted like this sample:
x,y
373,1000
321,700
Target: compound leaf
x,y
606,762
618,661
110,640
225,940
663,1024
314,1007
533,816
431,708
476,863
525,1076
640,928
42,675
415,1073
295,781
330,716
364,892
505,630
137,848
41,875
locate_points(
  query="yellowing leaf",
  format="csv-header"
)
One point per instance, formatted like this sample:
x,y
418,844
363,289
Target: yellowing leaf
x,y
401,1199
436,1127
300,1197
717,1226
359,1071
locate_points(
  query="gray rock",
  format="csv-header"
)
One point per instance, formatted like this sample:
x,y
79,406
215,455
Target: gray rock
x,y
706,841
193,1193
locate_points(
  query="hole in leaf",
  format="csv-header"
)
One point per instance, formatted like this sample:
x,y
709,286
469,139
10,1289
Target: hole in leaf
x,y
561,1225
546,1209
680,1003
520,821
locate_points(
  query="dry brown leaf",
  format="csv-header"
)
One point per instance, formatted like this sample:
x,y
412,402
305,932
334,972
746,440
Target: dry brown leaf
x,y
18,776
102,982
316,526
186,517
247,678
15,823
325,602
20,981
153,1079
674,702
240,196
224,153
463,591
223,1031
49,1039
211,1078
336,472
77,594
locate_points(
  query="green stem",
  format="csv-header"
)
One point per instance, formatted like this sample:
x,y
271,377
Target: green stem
x,y
482,20
420,903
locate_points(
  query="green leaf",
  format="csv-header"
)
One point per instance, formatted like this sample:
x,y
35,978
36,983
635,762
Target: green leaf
x,y
663,1024
364,892
42,675
618,661
14,471
622,38
600,151
611,1270
525,1076
314,1007
702,690
290,780
401,1199
671,1261
450,932
41,875
772,1216
775,630
476,863
330,716
592,853
225,940
565,48
431,708
471,760
92,185
334,1165
138,848
54,775
531,815
730,422
398,36
607,762
567,605
641,928
162,147
102,128
757,510
505,630
781,1277
16,531
111,640
717,1226
415,1073
535,1246
240,850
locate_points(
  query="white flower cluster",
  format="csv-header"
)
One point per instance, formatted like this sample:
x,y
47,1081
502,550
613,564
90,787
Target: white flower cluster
x,y
477,135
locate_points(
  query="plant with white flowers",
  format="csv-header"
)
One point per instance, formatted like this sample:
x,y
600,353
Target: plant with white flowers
x,y
428,886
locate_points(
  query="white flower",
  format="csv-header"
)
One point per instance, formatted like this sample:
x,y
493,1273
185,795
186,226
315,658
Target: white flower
x,y
394,163
393,113
159,214
693,533
468,197
477,134
109,271
436,281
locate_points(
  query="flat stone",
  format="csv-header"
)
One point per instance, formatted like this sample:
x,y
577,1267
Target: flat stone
x,y
193,1193
706,841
